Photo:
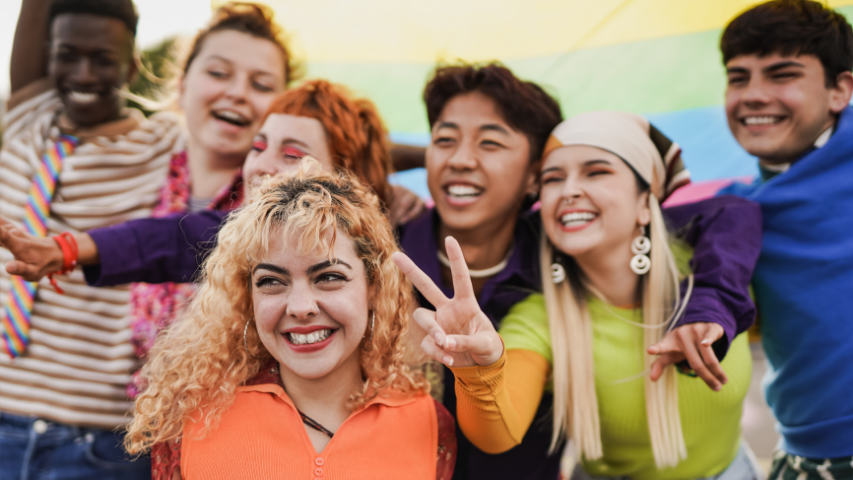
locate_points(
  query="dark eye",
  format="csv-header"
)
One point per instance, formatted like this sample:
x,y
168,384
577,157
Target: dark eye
x,y
261,87
552,179
104,61
737,79
443,141
330,277
267,282
598,172
66,57
490,143
259,145
216,73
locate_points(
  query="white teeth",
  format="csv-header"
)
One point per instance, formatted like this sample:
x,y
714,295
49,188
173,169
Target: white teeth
x,y
313,337
231,116
82,97
765,120
577,218
464,190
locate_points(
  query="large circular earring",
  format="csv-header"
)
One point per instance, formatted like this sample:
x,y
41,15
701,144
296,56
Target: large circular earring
x,y
558,272
246,340
640,247
369,340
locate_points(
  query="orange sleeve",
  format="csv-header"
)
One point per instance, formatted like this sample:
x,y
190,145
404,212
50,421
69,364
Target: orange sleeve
x,y
495,405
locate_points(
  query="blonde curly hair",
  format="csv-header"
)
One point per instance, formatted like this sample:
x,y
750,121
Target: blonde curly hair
x,y
198,363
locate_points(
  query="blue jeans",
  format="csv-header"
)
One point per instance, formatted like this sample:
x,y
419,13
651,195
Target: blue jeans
x,y
36,449
743,467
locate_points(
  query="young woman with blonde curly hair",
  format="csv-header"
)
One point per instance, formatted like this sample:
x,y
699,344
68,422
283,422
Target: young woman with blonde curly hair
x,y
289,359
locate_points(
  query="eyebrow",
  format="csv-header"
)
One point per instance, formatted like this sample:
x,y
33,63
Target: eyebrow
x,y
587,163
290,140
448,125
271,268
781,65
493,127
327,264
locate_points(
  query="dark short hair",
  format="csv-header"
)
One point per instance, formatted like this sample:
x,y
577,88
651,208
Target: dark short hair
x,y
123,10
792,27
252,19
525,106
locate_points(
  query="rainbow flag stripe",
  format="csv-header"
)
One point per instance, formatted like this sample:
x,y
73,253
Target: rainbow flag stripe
x,y
15,320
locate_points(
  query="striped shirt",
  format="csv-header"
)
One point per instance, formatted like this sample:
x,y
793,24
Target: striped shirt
x,y
80,358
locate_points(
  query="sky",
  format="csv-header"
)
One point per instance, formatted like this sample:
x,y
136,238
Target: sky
x,y
158,19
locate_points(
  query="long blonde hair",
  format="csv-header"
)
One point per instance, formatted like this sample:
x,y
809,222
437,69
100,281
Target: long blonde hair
x,y
198,363
575,401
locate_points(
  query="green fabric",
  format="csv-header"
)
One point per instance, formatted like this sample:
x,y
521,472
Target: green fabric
x,y
710,420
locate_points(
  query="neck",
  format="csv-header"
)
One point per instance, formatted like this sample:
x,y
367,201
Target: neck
x,y
610,273
483,247
209,170
324,399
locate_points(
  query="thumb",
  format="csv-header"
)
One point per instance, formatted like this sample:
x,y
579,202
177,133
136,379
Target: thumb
x,y
661,363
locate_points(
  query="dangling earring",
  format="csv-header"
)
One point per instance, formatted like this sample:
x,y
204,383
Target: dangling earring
x,y
369,339
640,247
558,273
246,341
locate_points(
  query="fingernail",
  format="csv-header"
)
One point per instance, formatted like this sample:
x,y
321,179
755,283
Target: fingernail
x,y
449,343
717,388
448,361
439,339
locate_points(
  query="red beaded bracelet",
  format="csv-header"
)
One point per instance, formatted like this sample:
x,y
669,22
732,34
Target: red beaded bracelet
x,y
68,244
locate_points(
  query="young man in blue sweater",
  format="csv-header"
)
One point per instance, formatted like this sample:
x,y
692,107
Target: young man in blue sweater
x,y
787,102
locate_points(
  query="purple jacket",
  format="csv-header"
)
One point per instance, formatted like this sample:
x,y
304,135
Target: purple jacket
x,y
725,232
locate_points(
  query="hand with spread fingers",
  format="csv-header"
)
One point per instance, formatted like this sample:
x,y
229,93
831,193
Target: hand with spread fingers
x,y
692,342
459,334
35,257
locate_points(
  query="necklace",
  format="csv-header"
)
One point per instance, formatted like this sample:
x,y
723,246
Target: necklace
x,y
314,424
487,272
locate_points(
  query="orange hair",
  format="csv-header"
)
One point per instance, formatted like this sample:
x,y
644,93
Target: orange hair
x,y
357,138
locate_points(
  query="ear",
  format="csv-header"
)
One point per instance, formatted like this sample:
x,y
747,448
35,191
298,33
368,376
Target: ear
x,y
839,96
133,67
644,212
531,184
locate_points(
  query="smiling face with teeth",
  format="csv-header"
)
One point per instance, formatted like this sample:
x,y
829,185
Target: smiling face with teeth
x,y
90,60
606,208
225,92
777,106
311,313
478,167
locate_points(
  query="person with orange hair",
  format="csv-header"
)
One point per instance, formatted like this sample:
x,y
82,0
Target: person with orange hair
x,y
296,338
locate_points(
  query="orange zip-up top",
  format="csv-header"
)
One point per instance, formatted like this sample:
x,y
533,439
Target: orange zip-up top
x,y
261,436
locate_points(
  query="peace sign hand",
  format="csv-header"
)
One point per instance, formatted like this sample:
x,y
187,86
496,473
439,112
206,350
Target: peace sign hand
x,y
459,334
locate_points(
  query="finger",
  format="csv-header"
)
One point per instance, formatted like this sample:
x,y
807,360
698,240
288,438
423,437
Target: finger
x,y
713,364
420,280
484,349
426,320
662,362
432,351
669,344
462,287
698,365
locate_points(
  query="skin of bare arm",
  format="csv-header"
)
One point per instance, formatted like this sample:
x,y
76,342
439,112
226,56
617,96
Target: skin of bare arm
x,y
35,257
29,49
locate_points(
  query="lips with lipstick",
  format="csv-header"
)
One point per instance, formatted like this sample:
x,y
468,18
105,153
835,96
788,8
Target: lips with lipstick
x,y
230,116
309,338
577,219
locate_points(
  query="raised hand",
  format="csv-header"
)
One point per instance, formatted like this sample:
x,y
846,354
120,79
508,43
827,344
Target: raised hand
x,y
691,342
459,334
35,256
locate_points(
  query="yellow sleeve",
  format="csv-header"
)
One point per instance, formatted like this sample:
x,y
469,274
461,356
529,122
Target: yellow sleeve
x,y
495,405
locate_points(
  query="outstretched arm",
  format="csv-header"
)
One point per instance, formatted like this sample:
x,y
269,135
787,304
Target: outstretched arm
x,y
29,50
153,250
725,232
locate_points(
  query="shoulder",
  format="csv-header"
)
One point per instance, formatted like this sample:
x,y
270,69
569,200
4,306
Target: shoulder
x,y
526,326
37,110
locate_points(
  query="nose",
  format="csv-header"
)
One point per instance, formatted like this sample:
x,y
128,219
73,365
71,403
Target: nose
x,y
301,303
238,88
755,93
571,189
83,72
464,158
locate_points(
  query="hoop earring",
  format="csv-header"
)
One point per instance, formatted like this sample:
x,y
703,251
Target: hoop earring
x,y
640,247
245,340
369,339
558,272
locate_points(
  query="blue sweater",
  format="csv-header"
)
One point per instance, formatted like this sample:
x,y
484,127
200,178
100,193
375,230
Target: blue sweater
x,y
804,289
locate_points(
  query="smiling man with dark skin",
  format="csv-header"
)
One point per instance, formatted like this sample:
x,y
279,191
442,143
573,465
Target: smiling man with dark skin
x,y
788,64
63,397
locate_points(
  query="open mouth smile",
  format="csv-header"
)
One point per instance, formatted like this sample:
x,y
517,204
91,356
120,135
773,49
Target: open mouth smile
x,y
231,117
761,120
82,98
462,193
576,220
309,339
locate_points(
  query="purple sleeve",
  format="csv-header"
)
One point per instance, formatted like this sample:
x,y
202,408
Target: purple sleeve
x,y
154,250
725,232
